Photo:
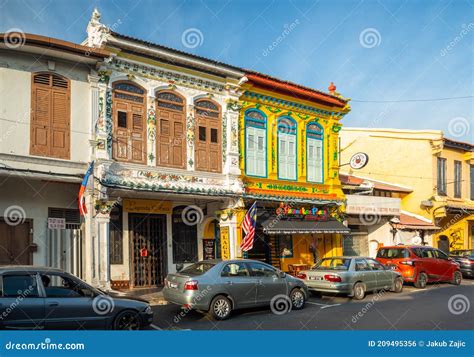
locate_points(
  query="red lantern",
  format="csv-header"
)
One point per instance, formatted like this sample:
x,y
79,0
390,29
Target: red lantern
x,y
144,252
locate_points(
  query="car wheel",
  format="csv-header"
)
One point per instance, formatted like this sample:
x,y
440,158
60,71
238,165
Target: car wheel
x,y
127,320
298,299
398,285
457,278
221,307
421,281
359,291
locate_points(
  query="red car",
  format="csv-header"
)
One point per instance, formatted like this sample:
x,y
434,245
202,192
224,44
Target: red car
x,y
421,264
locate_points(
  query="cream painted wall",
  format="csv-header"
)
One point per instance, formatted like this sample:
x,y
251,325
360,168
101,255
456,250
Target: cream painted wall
x,y
396,158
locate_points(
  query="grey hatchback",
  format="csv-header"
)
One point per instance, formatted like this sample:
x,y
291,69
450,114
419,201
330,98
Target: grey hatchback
x,y
47,298
351,275
218,287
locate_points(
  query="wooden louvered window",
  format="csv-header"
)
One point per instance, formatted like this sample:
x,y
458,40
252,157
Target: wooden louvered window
x,y
208,147
171,139
50,128
129,112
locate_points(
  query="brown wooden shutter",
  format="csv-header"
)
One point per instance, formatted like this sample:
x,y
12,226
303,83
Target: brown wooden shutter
x,y
171,126
129,111
208,147
50,116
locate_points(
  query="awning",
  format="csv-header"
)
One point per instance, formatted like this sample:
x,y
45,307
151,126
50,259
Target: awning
x,y
275,225
410,222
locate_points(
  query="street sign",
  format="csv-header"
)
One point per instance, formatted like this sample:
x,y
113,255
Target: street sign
x,y
56,223
359,160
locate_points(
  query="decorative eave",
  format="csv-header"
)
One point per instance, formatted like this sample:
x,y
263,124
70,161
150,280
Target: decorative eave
x,y
290,105
295,199
296,91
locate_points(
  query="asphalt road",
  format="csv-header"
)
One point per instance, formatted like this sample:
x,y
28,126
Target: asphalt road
x,y
428,309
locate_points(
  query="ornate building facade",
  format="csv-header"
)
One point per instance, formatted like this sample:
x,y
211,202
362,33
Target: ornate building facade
x,y
167,159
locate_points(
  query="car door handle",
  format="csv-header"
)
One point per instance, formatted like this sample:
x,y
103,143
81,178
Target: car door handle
x,y
53,303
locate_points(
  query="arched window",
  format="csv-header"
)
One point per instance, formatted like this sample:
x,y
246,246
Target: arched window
x,y
255,143
171,133
50,128
208,146
129,112
314,153
287,161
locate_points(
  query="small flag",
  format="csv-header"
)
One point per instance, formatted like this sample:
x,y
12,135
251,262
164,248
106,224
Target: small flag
x,y
82,201
248,225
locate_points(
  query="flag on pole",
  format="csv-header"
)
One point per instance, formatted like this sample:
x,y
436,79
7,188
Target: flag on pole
x,y
248,225
82,201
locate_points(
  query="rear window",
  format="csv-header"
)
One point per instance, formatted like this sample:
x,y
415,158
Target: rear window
x,y
197,269
393,253
333,264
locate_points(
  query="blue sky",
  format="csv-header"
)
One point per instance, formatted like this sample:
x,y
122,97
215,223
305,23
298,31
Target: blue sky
x,y
372,50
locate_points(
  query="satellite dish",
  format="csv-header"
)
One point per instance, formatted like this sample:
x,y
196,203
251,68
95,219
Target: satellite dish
x,y
359,160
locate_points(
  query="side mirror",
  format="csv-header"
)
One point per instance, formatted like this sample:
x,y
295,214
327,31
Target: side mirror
x,y
281,274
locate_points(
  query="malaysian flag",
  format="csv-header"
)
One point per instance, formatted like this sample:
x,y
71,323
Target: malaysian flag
x,y
82,201
248,225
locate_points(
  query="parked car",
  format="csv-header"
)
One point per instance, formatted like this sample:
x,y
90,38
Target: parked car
x,y
46,298
465,259
421,264
351,275
219,287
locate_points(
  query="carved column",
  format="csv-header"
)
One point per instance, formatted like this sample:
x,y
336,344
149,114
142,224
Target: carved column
x,y
151,131
190,129
230,140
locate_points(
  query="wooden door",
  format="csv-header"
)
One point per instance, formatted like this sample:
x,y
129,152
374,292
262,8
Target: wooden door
x,y
148,248
171,130
208,144
129,112
15,243
50,128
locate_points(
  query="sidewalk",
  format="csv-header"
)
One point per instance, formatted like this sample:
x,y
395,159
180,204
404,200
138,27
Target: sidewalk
x,y
153,296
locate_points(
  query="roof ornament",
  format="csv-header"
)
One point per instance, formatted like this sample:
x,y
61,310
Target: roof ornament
x,y
96,31
332,88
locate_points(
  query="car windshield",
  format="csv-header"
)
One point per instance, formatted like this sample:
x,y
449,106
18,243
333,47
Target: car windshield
x,y
393,253
333,264
197,269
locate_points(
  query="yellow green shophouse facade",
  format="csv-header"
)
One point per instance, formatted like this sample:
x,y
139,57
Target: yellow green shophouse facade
x,y
289,162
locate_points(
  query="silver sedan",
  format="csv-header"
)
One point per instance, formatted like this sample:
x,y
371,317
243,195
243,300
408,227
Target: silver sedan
x,y
218,287
351,275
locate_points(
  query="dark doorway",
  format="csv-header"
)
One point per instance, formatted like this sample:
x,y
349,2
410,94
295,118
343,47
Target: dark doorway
x,y
261,248
16,243
148,249
443,244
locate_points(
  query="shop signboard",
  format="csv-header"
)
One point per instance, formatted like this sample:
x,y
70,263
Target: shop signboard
x,y
225,243
209,249
147,206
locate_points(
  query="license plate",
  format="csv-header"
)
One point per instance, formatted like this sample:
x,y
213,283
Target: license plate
x,y
173,285
315,278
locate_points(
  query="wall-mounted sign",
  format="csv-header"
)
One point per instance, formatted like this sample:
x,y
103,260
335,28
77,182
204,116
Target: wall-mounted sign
x,y
147,206
209,249
359,160
56,223
225,243
314,213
